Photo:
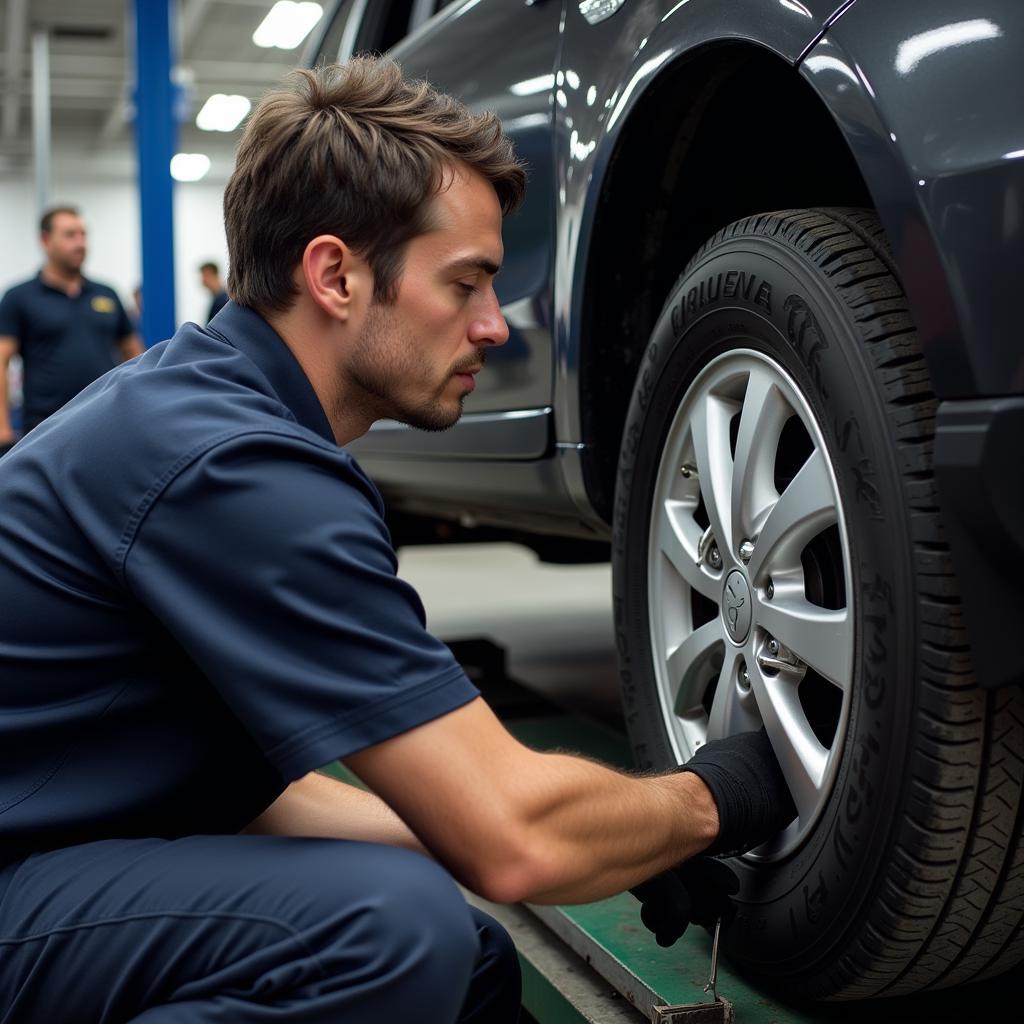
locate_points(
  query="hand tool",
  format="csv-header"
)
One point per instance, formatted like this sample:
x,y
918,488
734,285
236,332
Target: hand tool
x,y
717,1011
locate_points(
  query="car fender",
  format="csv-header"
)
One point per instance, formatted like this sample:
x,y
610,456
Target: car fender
x,y
928,99
605,70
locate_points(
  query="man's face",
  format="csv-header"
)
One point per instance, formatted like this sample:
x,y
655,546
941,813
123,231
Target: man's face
x,y
415,359
209,279
65,242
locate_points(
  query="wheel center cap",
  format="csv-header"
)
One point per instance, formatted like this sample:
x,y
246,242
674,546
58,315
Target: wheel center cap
x,y
736,606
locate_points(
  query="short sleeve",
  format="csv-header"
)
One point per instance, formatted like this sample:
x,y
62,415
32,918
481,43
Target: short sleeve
x,y
268,561
124,324
10,316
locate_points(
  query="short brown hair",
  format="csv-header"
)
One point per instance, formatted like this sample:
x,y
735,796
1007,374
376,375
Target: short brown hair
x,y
356,151
46,221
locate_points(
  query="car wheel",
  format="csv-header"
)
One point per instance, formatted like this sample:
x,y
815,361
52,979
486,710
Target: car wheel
x,y
779,559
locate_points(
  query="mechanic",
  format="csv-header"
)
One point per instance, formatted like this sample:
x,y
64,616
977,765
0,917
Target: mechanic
x,y
68,329
209,276
201,609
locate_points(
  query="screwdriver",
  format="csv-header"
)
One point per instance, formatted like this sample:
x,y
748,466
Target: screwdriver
x,y
710,987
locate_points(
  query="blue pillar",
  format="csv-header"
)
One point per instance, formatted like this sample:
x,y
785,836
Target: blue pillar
x,y
155,137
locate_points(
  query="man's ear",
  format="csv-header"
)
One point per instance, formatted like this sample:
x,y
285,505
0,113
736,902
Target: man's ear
x,y
337,280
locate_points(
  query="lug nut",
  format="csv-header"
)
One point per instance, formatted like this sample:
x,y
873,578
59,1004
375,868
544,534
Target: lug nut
x,y
769,590
773,646
715,557
744,677
746,550
688,470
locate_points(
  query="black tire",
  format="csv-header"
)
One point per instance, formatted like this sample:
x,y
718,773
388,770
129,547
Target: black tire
x,y
912,876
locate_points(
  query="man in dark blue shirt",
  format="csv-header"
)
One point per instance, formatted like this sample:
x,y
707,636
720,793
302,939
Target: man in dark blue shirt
x,y
201,608
68,329
209,274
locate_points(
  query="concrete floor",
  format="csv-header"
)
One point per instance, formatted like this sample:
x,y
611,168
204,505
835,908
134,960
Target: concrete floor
x,y
555,621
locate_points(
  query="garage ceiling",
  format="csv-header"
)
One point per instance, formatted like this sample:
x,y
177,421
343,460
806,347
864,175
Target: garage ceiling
x,y
92,68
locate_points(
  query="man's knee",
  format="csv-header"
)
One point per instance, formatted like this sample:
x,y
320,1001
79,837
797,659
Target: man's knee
x,y
409,923
496,988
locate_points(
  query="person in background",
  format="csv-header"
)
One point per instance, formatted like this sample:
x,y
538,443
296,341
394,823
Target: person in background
x,y
135,315
210,274
68,329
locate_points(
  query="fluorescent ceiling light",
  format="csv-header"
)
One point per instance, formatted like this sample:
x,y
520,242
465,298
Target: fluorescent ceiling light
x,y
189,166
222,113
287,24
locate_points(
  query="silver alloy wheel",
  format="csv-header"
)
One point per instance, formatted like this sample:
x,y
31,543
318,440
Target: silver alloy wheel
x,y
744,631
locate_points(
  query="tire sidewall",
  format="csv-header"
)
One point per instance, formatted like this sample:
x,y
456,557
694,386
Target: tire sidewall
x,y
759,293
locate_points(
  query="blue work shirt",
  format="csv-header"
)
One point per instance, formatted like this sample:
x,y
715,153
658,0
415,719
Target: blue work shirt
x,y
199,600
65,341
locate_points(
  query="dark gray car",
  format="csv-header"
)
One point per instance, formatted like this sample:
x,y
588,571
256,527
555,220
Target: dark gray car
x,y
766,343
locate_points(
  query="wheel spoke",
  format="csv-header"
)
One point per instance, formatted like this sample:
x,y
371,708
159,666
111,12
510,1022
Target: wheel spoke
x,y
729,712
821,637
761,421
802,758
677,537
805,508
710,428
692,664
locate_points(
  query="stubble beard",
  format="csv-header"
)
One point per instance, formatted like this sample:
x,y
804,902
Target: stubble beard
x,y
384,358
69,266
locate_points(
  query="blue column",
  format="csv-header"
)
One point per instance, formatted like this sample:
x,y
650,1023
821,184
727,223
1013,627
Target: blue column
x,y
155,137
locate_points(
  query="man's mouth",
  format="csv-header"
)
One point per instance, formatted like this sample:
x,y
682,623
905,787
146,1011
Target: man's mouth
x,y
467,378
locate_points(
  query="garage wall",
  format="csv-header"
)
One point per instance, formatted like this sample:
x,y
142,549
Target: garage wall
x,y
111,211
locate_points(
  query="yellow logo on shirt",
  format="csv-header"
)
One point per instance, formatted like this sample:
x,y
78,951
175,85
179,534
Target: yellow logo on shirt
x,y
103,304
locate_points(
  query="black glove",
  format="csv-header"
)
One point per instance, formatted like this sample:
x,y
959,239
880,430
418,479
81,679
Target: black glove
x,y
750,791
698,891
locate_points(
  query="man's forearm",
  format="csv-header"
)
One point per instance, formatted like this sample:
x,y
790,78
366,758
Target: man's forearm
x,y
603,831
131,346
517,824
316,805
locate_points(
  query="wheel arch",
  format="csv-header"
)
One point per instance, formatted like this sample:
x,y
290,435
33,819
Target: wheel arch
x,y
696,142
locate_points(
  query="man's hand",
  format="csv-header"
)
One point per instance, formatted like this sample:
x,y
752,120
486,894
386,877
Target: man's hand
x,y
750,791
697,892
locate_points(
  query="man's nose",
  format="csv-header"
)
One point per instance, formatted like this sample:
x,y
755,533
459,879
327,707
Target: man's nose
x,y
490,329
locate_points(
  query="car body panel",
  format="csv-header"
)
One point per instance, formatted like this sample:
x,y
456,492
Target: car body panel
x,y
930,98
931,108
463,50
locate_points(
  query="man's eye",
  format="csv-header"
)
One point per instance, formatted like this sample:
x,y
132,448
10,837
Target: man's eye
x,y
468,289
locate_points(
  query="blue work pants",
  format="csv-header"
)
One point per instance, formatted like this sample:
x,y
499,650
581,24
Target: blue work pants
x,y
246,929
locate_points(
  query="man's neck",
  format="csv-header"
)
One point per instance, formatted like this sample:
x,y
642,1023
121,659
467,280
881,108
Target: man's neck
x,y
65,280
301,332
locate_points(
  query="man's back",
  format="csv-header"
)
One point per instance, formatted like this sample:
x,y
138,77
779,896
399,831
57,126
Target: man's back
x,y
79,657
132,697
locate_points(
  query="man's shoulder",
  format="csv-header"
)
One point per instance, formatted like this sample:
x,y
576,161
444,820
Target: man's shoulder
x,y
22,290
99,288
192,404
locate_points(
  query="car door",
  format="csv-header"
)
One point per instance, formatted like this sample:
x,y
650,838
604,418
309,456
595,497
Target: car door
x,y
494,55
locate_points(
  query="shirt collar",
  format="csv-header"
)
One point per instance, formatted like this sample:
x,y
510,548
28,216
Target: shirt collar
x,y
87,286
246,330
